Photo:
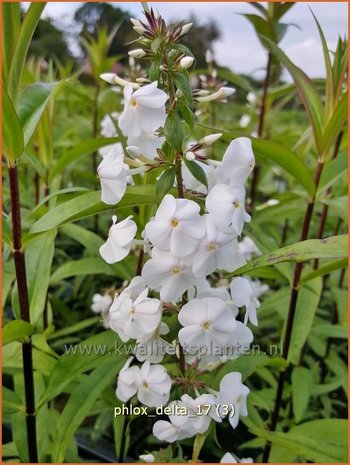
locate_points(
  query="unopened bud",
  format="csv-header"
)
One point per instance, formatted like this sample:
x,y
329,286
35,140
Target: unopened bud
x,y
137,53
142,80
211,139
112,78
190,156
186,62
208,56
139,29
136,22
134,151
185,29
218,95
202,93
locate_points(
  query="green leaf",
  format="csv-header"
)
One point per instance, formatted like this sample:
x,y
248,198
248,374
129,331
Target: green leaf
x,y
90,240
32,103
319,441
335,124
12,133
80,403
166,182
11,23
302,383
79,359
307,304
90,266
197,171
262,27
17,330
89,204
325,269
28,27
282,156
84,148
183,84
305,88
331,248
174,131
326,331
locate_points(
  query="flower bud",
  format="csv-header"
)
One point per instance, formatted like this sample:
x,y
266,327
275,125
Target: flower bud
x,y
227,91
136,22
139,29
222,93
211,139
190,156
186,62
185,29
113,78
133,151
137,53
208,56
148,458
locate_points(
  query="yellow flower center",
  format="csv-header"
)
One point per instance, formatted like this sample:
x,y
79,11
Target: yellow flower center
x,y
176,270
132,311
174,223
145,385
206,325
236,204
133,102
212,246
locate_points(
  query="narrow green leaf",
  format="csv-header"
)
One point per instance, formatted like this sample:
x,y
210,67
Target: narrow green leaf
x,y
307,304
281,155
73,154
319,441
306,90
302,383
28,27
89,204
12,133
79,359
182,83
174,131
17,330
197,172
90,240
166,182
11,23
325,269
32,103
332,248
89,266
335,124
80,403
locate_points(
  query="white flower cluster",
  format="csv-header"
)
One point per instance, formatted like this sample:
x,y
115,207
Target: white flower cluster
x,y
185,246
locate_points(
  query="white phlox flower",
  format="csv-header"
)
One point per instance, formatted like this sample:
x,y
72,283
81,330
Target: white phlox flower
x,y
177,226
239,342
238,161
153,347
242,294
151,383
135,318
258,287
144,110
101,303
148,143
198,411
169,275
217,250
233,393
178,427
119,240
207,323
107,125
113,178
226,207
148,458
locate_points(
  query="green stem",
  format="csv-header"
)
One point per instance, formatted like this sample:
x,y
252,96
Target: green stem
x,y
21,277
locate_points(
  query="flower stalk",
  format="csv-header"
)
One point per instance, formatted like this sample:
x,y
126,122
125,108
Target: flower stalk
x,y
292,309
21,277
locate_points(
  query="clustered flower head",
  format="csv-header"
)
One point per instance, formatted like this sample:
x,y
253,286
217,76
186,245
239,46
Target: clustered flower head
x,y
186,247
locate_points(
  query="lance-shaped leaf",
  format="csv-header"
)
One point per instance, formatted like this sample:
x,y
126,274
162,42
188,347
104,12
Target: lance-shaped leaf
x,y
335,124
32,103
335,247
12,133
284,157
305,87
11,23
26,32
